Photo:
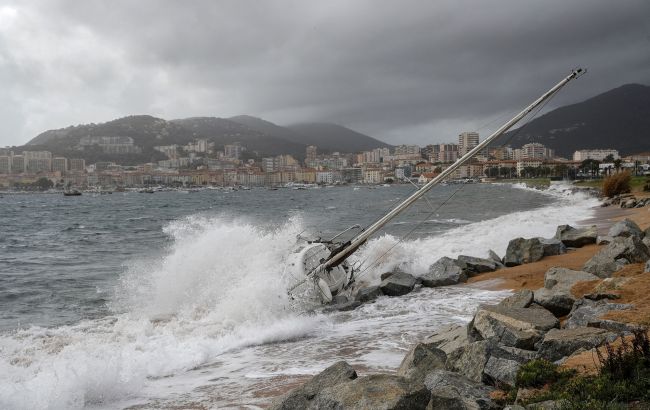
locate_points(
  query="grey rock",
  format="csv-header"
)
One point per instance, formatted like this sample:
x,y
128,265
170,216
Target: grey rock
x,y
471,360
342,307
420,360
603,240
588,313
576,238
385,275
495,257
625,228
552,246
547,405
629,203
377,391
448,338
647,267
559,343
520,299
556,294
514,407
602,296
368,294
603,263
473,265
397,284
511,326
453,391
302,397
522,251
501,371
444,272
646,240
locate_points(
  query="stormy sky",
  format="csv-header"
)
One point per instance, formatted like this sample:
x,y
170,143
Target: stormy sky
x,y
401,71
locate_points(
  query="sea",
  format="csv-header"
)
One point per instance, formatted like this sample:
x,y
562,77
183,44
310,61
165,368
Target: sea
x,y
179,299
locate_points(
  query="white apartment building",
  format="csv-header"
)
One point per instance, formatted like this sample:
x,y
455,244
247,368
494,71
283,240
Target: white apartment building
x,y
596,154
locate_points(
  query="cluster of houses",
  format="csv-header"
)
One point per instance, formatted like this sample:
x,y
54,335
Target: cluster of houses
x,y
199,164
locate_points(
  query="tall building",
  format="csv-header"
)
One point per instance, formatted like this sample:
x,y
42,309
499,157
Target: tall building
x,y
18,164
60,164
233,151
443,153
77,164
467,141
5,164
38,161
311,152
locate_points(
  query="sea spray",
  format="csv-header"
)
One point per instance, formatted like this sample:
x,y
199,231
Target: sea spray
x,y
219,287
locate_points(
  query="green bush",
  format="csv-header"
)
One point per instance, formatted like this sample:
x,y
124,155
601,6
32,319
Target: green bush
x,y
536,373
623,378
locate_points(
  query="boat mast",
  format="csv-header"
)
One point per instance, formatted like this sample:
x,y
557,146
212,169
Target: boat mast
x,y
361,238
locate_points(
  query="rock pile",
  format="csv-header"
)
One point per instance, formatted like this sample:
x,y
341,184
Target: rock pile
x,y
460,366
626,201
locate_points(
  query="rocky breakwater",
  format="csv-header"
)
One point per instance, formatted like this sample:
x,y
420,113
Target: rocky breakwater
x,y
461,366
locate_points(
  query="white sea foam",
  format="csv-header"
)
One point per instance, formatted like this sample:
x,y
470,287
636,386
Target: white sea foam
x,y
202,302
476,239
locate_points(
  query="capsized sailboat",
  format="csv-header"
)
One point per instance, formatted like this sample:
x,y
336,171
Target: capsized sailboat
x,y
319,266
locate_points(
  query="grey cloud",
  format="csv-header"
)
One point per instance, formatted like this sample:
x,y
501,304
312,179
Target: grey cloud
x,y
410,71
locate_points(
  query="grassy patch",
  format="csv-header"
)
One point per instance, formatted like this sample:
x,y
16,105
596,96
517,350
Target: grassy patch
x,y
637,184
622,381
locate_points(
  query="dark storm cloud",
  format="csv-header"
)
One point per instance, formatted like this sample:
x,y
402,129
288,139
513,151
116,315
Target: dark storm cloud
x,y
409,71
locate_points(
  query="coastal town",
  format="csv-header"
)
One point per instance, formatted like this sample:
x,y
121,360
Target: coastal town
x,y
200,164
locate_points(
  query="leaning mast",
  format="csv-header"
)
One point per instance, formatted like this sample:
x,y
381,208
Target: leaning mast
x,y
349,248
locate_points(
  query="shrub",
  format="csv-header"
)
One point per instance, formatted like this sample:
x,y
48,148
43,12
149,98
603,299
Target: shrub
x,y
536,373
617,184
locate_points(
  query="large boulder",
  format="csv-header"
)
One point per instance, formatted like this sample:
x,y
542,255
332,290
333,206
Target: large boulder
x,y
552,246
625,228
520,299
453,391
512,326
556,294
604,263
473,265
589,313
522,251
377,391
368,294
646,239
559,343
420,360
444,272
488,362
397,284
473,361
501,370
448,338
576,238
302,397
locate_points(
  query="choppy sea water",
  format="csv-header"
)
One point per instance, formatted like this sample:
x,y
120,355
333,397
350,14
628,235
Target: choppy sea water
x,y
177,299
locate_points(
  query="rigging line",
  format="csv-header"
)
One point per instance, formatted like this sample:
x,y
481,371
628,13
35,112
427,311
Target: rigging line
x,y
529,120
364,271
